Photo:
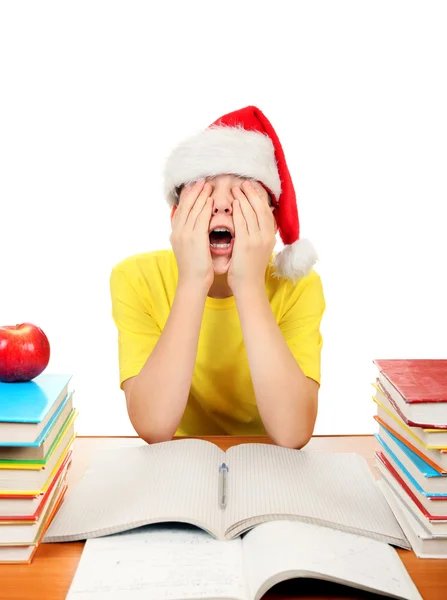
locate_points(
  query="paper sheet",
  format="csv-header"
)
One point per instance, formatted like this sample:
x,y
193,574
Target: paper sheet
x,y
345,558
125,488
160,563
325,488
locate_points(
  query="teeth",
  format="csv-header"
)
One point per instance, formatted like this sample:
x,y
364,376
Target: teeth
x,y
221,229
220,245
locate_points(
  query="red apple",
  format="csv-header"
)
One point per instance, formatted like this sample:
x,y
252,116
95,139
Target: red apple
x,y
24,352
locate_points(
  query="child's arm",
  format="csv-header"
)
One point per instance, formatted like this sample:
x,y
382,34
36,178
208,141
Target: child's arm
x,y
287,399
157,396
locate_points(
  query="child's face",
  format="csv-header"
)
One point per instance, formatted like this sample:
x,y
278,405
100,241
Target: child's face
x,y
221,243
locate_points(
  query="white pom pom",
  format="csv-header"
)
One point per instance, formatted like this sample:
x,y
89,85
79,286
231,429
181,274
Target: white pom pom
x,y
295,261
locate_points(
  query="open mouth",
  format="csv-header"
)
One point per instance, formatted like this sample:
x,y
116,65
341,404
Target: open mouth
x,y
220,238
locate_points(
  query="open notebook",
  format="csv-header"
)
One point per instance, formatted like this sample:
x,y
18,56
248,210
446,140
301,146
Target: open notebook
x,y
181,481
181,563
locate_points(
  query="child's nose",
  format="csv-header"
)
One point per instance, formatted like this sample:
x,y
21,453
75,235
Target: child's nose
x,y
227,210
223,206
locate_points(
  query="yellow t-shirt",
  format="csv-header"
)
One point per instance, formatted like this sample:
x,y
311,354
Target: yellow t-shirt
x,y
221,399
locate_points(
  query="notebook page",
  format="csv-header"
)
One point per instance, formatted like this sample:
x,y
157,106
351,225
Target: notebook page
x,y
361,562
160,563
269,482
129,487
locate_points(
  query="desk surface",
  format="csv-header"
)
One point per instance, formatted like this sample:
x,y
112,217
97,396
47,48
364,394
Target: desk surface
x,y
50,574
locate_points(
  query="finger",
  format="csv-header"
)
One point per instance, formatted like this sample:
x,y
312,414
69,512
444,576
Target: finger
x,y
258,199
189,196
203,219
259,189
198,205
247,211
240,224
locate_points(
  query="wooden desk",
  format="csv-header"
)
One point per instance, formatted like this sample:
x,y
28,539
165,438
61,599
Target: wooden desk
x,y
50,574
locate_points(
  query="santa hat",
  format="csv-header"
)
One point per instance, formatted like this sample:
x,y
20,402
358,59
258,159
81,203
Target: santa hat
x,y
244,143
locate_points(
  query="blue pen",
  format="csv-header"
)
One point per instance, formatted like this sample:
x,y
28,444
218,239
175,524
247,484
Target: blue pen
x,y
223,472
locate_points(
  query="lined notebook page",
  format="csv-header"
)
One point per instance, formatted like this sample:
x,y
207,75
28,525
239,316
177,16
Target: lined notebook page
x,y
129,487
160,563
325,488
281,547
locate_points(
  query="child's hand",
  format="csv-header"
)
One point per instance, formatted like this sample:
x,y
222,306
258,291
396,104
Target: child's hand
x,y
190,236
254,231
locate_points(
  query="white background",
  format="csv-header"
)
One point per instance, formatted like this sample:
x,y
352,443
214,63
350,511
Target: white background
x,y
95,94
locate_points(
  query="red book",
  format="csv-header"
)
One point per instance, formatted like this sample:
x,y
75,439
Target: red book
x,y
418,387
408,492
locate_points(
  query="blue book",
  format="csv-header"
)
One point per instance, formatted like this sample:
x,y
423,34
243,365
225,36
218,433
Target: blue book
x,y
27,407
421,465
46,431
400,467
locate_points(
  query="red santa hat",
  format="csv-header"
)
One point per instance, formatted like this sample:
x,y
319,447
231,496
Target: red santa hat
x,y
244,143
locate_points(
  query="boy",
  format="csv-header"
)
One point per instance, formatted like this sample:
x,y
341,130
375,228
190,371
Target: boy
x,y
217,336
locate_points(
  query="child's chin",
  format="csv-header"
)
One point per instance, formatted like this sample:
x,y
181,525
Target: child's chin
x,y
221,264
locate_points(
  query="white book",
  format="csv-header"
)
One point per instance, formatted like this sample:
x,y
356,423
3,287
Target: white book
x,y
20,533
17,554
181,563
433,439
20,507
180,481
433,527
22,550
423,543
22,480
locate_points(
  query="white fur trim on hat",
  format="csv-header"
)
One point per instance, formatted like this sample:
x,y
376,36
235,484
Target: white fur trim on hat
x,y
295,261
222,150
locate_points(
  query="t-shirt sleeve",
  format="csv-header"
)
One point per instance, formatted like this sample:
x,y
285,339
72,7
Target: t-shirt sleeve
x,y
300,325
137,330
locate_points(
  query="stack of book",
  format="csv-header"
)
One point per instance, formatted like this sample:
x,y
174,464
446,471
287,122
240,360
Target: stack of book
x,y
36,445
411,399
